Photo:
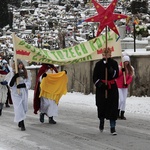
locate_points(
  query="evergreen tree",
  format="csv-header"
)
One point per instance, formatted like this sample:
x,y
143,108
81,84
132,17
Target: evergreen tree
x,y
3,13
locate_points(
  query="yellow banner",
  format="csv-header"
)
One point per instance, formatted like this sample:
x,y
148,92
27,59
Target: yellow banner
x,y
87,51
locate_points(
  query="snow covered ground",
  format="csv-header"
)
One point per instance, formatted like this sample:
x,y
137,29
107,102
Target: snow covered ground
x,y
134,105
77,127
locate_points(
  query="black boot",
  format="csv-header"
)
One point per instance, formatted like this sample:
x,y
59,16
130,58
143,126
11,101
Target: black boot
x,y
42,117
1,108
118,113
6,104
122,115
19,124
101,125
0,112
113,131
51,120
22,125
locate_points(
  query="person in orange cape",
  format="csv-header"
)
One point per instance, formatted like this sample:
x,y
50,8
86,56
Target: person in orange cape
x,y
50,86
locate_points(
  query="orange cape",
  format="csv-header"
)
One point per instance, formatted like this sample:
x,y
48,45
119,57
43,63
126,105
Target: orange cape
x,y
53,86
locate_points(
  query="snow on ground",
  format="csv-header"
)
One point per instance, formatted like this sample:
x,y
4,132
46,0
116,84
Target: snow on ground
x,y
134,105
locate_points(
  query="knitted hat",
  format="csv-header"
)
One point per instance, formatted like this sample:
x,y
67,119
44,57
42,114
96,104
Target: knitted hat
x,y
125,58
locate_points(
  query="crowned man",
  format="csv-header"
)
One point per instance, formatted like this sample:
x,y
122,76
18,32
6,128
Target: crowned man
x,y
104,75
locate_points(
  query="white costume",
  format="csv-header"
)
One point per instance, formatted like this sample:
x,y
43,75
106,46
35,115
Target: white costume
x,y
3,89
123,92
20,101
49,107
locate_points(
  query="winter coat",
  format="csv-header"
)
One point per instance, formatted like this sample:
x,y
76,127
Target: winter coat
x,y
107,106
20,101
120,79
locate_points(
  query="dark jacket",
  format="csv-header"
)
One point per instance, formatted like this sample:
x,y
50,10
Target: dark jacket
x,y
107,107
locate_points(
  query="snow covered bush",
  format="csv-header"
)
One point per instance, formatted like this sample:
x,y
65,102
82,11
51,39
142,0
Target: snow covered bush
x,y
141,29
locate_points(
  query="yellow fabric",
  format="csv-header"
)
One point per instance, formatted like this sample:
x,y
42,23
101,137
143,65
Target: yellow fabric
x,y
53,86
136,21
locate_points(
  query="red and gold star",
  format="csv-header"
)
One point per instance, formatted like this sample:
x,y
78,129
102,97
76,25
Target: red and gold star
x,y
106,17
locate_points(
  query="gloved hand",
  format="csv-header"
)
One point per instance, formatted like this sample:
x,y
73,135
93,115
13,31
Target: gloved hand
x,y
44,75
105,86
21,86
125,85
99,84
4,82
65,71
123,69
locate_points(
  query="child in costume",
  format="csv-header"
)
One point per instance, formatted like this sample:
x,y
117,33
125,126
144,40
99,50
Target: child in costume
x,y
48,91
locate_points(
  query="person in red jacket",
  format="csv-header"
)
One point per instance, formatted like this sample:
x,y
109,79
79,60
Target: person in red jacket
x,y
126,72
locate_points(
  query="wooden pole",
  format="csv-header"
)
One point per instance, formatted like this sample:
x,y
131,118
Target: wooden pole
x,y
124,74
106,71
15,59
134,37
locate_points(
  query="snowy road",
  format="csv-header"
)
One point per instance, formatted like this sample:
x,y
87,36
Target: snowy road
x,y
76,129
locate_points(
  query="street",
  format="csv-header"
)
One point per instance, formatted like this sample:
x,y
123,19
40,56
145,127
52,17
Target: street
x,y
76,129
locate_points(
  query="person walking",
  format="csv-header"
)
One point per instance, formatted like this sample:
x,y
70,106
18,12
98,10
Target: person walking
x,y
105,73
3,89
126,73
6,68
19,84
48,91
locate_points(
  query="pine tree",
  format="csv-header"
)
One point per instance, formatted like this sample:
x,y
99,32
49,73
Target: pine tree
x,y
3,13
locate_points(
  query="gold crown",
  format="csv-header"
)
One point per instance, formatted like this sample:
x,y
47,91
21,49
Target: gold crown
x,y
107,50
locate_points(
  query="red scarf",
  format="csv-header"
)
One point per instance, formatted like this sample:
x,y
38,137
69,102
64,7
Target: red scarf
x,y
3,72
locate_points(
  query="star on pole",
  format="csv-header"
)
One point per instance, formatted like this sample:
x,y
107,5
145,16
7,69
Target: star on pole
x,y
105,17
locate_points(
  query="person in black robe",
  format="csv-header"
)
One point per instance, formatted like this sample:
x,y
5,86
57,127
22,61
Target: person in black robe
x,y
104,77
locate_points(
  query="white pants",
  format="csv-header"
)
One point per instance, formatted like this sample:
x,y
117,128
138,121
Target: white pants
x,y
122,98
49,107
